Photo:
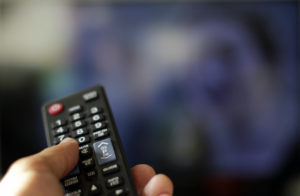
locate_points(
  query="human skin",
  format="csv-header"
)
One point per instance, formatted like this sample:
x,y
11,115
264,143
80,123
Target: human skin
x,y
40,174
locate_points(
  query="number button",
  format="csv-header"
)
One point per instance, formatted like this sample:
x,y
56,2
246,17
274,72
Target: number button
x,y
83,140
60,130
60,138
98,125
58,123
80,132
78,124
97,118
94,110
77,116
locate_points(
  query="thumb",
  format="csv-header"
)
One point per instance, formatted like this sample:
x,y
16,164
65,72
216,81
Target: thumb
x,y
57,160
39,174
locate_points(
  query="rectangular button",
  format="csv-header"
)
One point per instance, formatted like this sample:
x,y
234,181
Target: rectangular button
x,y
71,182
85,152
90,96
110,169
104,151
84,146
87,163
91,174
119,192
100,134
77,192
75,108
113,182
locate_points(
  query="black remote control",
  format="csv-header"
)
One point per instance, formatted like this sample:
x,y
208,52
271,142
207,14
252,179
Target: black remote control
x,y
102,168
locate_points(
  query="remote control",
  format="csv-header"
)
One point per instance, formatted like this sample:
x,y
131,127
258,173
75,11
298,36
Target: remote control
x,y
102,168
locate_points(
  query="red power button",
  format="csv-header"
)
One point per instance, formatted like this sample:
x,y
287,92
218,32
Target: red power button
x,y
55,108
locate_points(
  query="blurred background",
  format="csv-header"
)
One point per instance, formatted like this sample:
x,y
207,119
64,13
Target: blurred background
x,y
204,91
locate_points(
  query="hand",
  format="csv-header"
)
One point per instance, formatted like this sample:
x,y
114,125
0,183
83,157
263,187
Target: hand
x,y
39,174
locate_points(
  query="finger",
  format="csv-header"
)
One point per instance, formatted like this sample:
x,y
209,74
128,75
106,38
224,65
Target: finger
x,y
141,175
57,160
60,159
34,174
159,185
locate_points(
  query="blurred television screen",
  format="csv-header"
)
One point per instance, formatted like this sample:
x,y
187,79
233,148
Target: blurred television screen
x,y
207,93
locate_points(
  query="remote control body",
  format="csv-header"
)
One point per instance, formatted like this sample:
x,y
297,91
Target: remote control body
x,y
102,168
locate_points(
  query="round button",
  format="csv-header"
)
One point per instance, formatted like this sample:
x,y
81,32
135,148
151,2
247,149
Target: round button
x,y
55,108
